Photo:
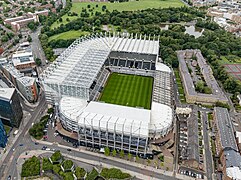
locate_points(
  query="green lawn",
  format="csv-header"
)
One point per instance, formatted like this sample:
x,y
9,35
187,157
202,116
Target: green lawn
x,y
68,35
124,6
128,90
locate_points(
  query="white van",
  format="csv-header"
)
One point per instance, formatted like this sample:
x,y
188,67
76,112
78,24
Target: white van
x,y
15,132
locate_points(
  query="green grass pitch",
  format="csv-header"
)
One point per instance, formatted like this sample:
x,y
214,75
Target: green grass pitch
x,y
128,90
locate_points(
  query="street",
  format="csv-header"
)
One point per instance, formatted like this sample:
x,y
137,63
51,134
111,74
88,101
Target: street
x,y
208,153
8,164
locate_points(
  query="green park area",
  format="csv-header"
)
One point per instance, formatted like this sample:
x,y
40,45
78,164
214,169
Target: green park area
x,y
66,169
124,6
68,35
128,90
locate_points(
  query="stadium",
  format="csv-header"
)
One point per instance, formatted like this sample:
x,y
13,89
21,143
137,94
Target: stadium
x,y
112,91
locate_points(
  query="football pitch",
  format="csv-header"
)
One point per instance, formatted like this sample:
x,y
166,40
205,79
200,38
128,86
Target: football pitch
x,y
128,90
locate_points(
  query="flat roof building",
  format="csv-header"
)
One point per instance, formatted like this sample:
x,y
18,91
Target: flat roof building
x,y
23,61
26,85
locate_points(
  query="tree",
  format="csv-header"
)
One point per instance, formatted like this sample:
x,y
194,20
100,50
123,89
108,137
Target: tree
x,y
103,7
161,158
200,86
32,26
114,153
122,153
29,39
38,61
129,156
4,38
107,151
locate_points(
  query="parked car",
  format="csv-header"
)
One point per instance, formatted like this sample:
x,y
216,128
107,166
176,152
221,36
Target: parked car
x,y
44,147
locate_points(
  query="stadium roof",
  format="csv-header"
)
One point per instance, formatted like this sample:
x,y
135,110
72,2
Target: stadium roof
x,y
162,67
129,119
106,115
161,117
80,63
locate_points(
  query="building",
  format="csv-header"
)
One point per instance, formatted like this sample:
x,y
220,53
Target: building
x,y
21,21
10,109
24,47
226,146
23,61
43,12
3,136
74,82
189,138
27,86
191,95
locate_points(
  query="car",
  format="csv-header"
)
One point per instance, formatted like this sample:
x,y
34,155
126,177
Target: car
x,y
36,143
48,149
13,149
9,177
44,147
20,144
68,149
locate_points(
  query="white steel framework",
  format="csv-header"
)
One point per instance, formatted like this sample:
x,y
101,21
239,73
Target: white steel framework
x,y
77,67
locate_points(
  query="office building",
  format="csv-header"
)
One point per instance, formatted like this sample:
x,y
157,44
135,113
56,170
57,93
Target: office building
x,y
10,109
3,136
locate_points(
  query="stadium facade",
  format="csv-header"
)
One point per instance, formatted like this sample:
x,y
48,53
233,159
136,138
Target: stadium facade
x,y
74,83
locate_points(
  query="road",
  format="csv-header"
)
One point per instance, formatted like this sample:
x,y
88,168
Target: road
x,y
208,153
8,164
37,48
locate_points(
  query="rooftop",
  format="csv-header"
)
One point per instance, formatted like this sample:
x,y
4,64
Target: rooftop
x,y
225,128
80,63
6,93
233,163
135,120
106,115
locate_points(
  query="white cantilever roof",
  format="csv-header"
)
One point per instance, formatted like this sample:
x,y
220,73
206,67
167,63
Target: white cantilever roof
x,y
106,116
80,63
130,120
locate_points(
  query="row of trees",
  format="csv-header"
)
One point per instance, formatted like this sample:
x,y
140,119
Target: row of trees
x,y
214,43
